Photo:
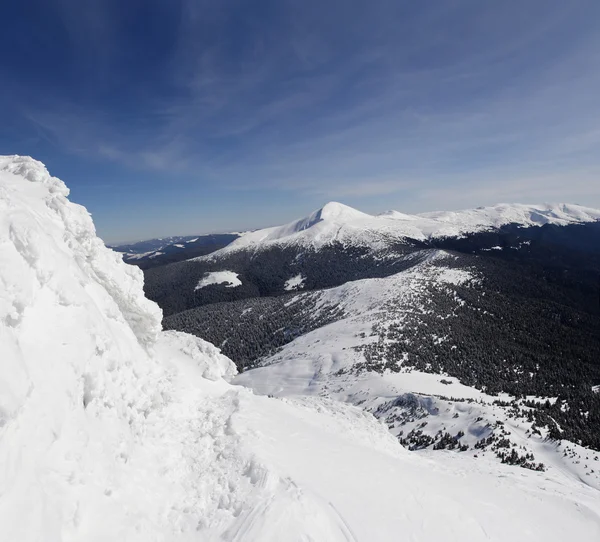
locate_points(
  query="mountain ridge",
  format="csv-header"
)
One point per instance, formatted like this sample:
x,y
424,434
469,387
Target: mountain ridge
x,y
336,222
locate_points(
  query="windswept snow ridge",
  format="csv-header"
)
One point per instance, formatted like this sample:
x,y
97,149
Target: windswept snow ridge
x,y
113,430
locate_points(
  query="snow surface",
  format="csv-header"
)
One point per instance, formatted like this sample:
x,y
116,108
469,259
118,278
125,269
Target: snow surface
x,y
336,222
113,430
229,278
294,283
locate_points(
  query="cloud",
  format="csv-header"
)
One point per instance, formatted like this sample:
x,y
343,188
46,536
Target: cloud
x,y
344,188
436,99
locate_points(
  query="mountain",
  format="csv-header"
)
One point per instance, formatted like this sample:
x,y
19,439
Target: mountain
x,y
112,429
337,244
320,227
472,220
149,246
336,222
521,335
156,252
337,226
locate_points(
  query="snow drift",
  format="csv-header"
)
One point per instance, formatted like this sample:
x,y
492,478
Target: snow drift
x,y
113,430
80,388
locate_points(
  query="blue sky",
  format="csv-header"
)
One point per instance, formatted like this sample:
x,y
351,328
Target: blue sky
x,y
181,116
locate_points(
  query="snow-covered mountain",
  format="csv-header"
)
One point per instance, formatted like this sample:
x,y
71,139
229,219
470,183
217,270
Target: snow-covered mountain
x,y
336,222
113,430
337,244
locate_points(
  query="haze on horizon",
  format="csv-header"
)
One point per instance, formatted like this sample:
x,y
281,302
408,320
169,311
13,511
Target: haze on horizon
x,y
183,117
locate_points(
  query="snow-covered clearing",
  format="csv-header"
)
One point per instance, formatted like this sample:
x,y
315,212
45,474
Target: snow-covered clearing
x,y
294,283
229,278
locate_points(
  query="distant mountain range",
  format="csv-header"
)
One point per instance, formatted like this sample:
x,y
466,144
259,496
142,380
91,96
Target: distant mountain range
x,y
339,223
155,252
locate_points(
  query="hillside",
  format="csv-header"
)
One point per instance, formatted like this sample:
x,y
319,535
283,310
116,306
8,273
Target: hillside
x,y
507,331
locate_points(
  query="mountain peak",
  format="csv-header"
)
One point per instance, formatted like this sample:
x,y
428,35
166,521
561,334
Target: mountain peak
x,y
337,212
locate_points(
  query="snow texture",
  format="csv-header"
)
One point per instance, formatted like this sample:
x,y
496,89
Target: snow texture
x,y
113,430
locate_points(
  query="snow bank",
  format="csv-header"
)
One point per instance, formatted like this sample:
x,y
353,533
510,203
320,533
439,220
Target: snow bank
x,y
82,394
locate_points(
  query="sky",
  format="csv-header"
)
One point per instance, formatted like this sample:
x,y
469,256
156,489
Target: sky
x,y
169,117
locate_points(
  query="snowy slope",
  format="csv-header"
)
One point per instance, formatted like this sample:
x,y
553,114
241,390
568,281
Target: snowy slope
x,y
336,222
482,218
113,430
320,227
306,365
330,362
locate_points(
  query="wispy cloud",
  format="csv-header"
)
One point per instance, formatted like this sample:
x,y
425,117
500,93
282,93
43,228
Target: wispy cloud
x,y
436,101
